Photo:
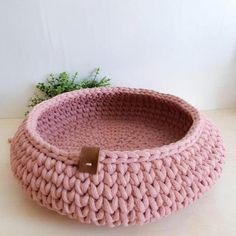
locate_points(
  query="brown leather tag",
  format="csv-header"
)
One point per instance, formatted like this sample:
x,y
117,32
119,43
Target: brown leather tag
x,y
88,160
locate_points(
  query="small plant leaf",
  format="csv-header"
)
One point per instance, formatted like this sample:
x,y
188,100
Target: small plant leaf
x,y
64,82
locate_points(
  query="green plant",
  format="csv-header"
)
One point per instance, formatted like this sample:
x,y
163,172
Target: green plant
x,y
64,82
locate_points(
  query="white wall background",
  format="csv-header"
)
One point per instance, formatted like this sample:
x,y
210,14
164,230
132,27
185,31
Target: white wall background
x,y
184,47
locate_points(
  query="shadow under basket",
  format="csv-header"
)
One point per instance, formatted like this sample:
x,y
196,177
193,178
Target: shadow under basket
x,y
116,156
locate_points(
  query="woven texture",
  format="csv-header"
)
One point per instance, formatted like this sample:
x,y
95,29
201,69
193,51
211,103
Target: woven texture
x,y
157,155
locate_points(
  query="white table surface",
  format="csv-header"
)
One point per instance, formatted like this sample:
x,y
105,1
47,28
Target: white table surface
x,y
214,214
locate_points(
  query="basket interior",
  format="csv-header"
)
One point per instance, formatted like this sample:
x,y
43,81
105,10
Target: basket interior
x,y
121,121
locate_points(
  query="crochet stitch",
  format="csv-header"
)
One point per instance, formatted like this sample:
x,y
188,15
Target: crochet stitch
x,y
157,155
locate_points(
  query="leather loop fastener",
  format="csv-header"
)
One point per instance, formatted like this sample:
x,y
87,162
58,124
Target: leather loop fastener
x,y
88,160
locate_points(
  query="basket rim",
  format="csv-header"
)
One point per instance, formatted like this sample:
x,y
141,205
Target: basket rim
x,y
114,156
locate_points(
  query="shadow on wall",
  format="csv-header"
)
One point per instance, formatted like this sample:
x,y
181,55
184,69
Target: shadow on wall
x,y
226,92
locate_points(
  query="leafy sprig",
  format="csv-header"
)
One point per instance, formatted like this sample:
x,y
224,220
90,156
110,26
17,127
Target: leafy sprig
x,y
64,82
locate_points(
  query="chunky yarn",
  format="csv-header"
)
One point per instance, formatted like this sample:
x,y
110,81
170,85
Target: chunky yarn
x,y
157,155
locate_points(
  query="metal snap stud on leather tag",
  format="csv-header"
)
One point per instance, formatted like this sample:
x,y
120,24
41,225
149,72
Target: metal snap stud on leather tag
x,y
88,160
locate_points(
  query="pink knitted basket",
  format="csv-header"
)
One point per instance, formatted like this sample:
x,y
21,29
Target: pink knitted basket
x,y
157,155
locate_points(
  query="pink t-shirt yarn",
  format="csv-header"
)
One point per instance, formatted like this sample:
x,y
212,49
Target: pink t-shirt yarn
x,y
157,155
